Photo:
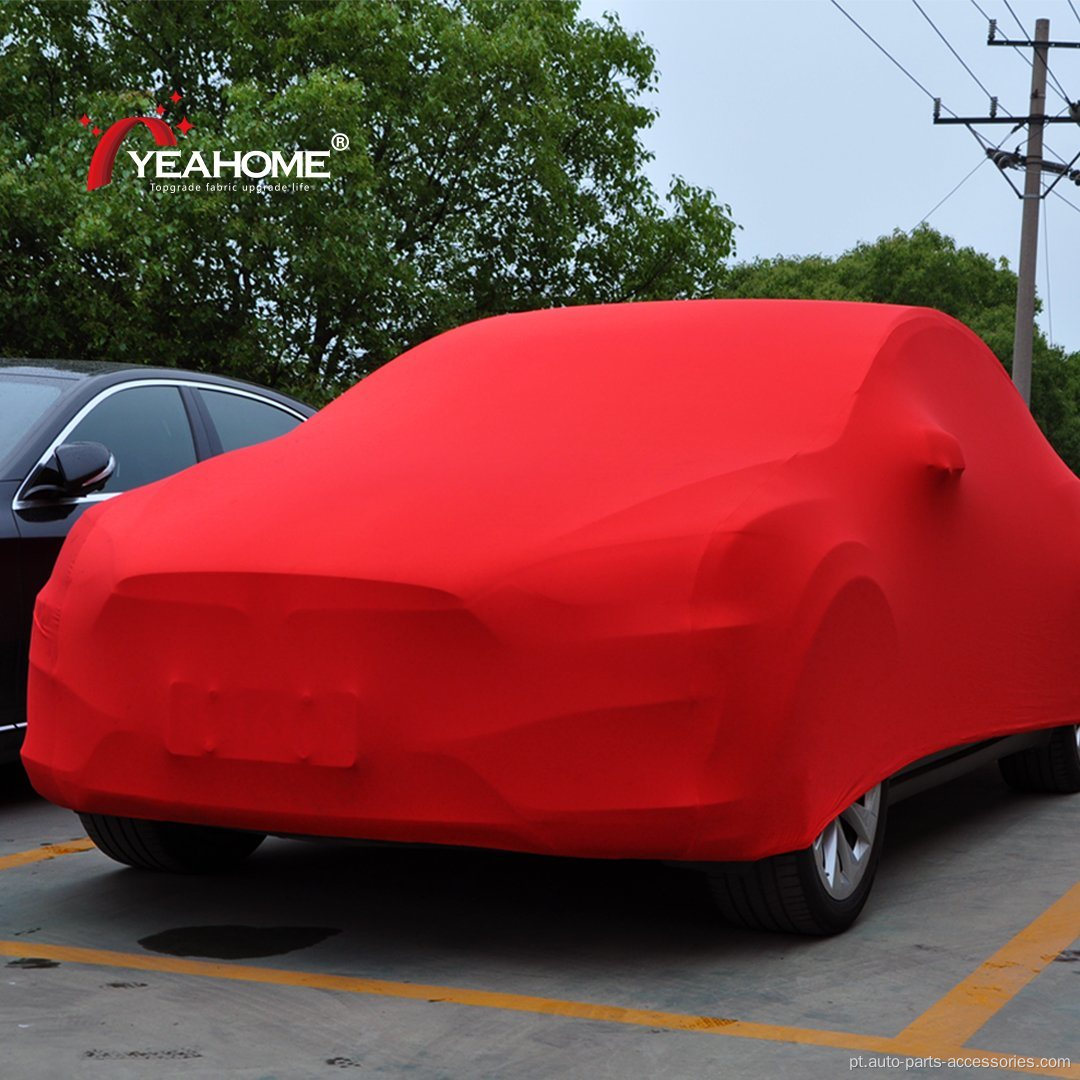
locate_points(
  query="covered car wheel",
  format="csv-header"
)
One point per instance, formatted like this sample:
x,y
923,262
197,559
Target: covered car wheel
x,y
1053,768
819,890
170,847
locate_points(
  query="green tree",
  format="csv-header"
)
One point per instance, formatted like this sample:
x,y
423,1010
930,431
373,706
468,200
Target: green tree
x,y
495,164
926,268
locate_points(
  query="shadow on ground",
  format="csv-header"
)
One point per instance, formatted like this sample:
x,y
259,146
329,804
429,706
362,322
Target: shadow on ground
x,y
386,907
15,786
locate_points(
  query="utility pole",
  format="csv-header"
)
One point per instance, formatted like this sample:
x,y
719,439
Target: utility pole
x,y
1029,227
1034,167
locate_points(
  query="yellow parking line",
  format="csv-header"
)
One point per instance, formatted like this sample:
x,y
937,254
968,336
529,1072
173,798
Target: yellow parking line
x,y
454,995
711,1025
995,982
939,1032
47,851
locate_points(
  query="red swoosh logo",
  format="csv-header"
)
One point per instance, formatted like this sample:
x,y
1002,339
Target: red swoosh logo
x,y
101,164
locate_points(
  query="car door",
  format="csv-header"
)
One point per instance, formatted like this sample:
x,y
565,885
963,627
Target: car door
x,y
147,427
237,418
12,631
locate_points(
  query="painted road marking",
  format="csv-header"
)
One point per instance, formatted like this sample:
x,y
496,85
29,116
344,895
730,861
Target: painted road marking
x,y
939,1032
995,982
710,1025
432,994
47,851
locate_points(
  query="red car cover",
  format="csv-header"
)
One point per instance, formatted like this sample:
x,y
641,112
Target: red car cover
x,y
675,580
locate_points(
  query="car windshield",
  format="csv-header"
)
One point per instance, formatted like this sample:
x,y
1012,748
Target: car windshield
x,y
23,400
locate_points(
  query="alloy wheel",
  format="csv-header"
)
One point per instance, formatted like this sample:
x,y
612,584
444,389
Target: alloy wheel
x,y
842,850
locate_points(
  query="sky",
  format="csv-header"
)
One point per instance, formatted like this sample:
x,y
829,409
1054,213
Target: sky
x,y
817,141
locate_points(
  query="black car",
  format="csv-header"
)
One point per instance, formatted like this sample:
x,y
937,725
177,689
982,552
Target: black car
x,y
75,433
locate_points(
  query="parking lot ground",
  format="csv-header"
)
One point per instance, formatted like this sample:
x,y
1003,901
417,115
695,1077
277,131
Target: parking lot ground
x,y
317,959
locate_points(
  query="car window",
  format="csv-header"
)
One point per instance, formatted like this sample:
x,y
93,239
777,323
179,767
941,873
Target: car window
x,y
244,421
23,401
146,428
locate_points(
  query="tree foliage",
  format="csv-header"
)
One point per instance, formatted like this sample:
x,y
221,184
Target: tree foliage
x,y
926,268
495,164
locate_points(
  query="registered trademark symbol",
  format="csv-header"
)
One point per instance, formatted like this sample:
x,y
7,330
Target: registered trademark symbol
x,y
340,141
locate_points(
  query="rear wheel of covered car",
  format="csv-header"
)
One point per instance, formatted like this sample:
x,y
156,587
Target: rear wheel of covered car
x,y
819,890
1054,767
168,846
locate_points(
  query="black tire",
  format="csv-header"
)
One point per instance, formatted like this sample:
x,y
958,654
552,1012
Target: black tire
x,y
786,893
1053,768
169,847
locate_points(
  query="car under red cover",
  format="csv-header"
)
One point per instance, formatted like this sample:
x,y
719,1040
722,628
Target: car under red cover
x,y
677,580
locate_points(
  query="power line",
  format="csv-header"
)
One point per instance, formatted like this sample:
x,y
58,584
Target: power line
x,y
1016,18
948,46
1053,78
1073,10
1067,202
1064,108
942,202
985,143
1057,85
1013,131
1027,60
868,35
979,137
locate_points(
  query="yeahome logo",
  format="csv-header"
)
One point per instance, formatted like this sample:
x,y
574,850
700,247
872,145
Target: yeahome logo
x,y
232,169
254,165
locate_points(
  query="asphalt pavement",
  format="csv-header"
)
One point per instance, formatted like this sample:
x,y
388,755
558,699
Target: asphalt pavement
x,y
333,959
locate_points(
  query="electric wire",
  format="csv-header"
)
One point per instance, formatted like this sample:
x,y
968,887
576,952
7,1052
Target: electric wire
x,y
1016,18
1067,202
1067,171
878,45
941,202
985,143
981,139
1053,78
1027,59
1050,149
1063,108
1057,84
948,46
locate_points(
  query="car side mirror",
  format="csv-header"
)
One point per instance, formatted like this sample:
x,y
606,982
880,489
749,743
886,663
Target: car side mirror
x,y
944,455
75,469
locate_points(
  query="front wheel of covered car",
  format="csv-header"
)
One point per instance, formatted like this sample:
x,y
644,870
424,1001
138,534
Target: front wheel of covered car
x,y
819,890
1053,768
168,846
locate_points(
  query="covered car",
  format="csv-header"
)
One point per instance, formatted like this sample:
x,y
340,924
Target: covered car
x,y
686,580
